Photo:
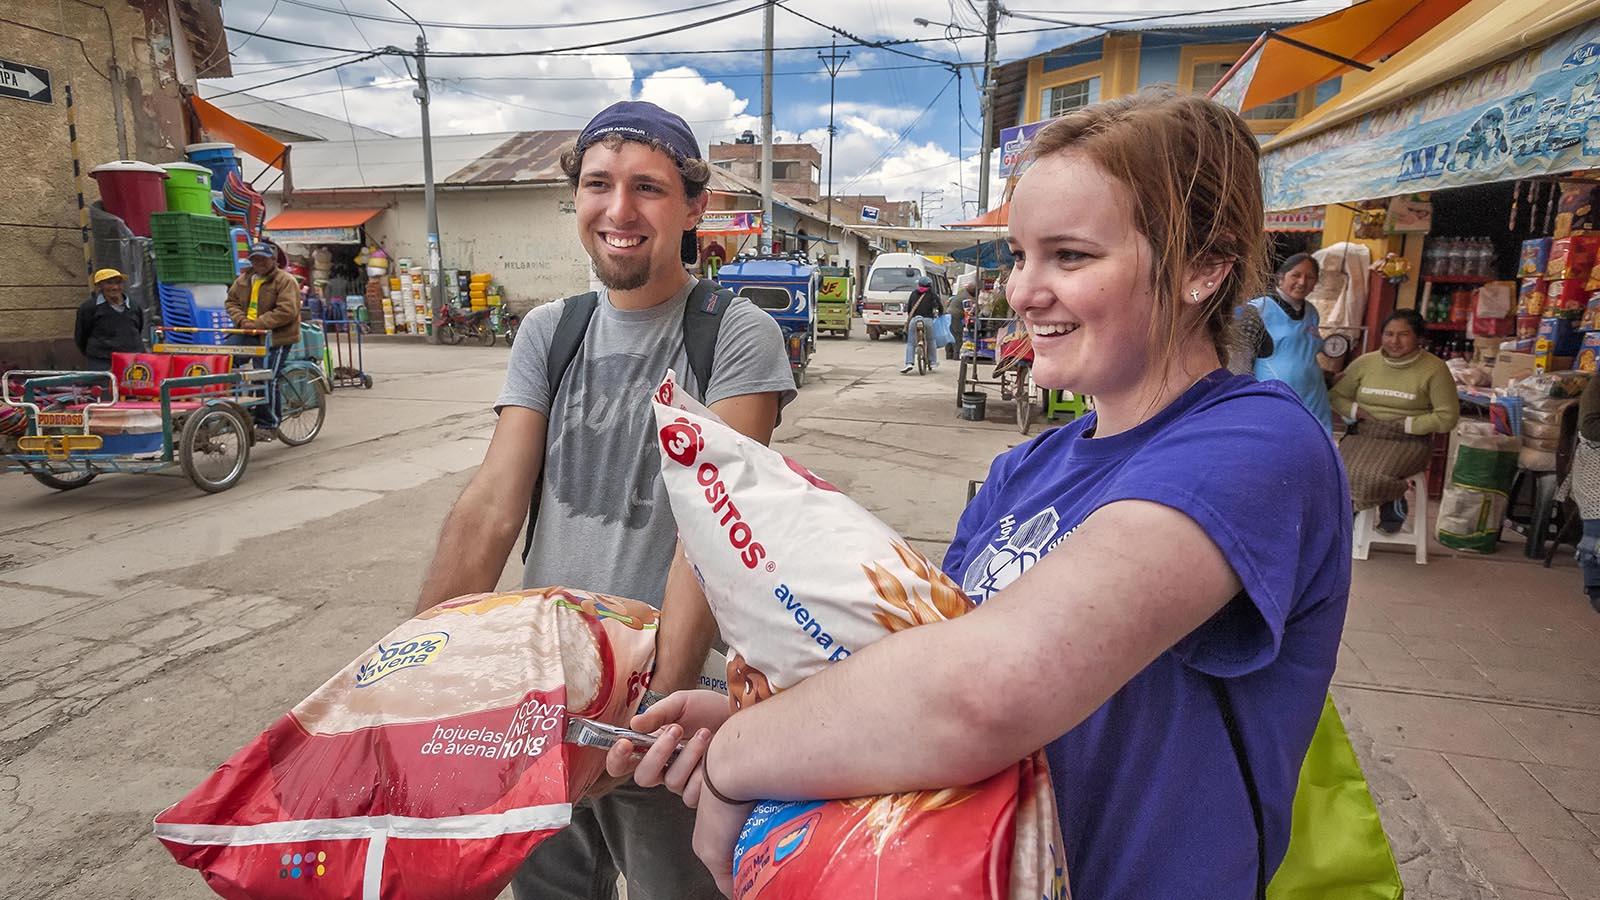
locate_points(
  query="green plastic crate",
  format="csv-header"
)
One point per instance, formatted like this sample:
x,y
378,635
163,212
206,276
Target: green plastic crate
x,y
186,228
195,269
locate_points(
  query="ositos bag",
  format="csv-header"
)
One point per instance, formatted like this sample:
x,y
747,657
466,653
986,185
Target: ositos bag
x,y
798,576
432,764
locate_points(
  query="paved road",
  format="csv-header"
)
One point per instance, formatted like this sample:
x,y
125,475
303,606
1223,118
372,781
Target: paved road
x,y
149,630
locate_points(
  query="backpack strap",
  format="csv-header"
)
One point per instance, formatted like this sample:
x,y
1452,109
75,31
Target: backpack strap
x,y
1219,689
564,345
702,320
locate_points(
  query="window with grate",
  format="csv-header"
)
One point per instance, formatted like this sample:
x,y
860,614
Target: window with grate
x,y
1064,98
1207,74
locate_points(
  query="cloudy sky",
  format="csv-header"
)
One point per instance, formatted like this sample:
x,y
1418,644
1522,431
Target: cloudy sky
x,y
893,135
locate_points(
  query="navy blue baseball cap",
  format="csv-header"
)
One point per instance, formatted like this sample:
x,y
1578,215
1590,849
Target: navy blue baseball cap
x,y
263,248
637,120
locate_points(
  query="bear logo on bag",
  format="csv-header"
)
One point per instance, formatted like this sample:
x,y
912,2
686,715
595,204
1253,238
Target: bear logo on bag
x,y
682,442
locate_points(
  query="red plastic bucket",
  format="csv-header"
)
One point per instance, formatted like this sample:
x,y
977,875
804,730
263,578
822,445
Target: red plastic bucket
x,y
132,190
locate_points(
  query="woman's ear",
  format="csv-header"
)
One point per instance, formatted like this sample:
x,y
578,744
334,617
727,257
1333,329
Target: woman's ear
x,y
1205,279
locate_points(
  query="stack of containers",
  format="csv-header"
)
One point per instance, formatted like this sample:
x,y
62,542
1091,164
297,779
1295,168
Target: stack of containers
x,y
402,299
192,248
478,290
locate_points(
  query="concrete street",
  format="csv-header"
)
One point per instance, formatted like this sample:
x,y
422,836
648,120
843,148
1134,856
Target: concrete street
x,y
148,630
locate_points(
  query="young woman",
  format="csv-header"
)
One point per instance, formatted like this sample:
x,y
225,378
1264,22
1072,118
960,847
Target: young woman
x,y
1279,337
1399,397
1188,571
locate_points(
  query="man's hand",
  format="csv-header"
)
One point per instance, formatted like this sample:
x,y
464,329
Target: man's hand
x,y
699,713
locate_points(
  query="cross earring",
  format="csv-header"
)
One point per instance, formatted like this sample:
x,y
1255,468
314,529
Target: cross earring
x,y
1194,295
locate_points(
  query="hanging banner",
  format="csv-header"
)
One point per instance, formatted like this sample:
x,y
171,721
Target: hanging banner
x,y
338,235
1532,114
730,222
1297,220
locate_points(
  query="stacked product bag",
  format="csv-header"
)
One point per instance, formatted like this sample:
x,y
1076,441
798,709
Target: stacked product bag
x,y
432,764
798,577
1474,502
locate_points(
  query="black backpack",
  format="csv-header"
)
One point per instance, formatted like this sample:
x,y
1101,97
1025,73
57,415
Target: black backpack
x,y
702,319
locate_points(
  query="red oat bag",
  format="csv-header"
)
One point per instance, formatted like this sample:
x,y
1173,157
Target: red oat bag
x,y
798,577
432,764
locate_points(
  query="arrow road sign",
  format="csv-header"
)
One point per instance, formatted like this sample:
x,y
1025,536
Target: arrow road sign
x,y
24,82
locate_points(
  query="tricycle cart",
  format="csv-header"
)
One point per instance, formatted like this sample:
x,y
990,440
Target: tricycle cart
x,y
179,405
835,299
785,287
1006,345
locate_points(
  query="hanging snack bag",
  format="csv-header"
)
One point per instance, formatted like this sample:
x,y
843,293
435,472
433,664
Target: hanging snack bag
x,y
432,764
798,577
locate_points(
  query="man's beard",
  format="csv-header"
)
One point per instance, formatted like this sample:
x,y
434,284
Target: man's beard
x,y
626,275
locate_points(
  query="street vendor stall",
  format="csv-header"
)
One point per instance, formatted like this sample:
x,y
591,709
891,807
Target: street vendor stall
x,y
1461,167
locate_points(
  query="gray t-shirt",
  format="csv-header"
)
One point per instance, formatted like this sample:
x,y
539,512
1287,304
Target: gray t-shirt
x,y
604,521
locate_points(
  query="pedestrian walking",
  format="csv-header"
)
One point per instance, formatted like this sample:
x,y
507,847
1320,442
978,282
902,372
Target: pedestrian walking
x,y
107,323
576,436
1162,583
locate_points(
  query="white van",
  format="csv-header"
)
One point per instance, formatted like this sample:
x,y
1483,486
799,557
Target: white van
x,y
889,284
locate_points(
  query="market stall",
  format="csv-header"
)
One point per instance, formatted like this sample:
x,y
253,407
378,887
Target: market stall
x,y
1462,167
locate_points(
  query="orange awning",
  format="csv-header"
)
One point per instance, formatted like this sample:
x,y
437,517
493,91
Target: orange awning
x,y
994,218
301,219
1284,62
247,138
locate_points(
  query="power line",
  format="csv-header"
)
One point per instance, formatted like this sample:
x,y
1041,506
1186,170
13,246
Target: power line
x,y
490,54
877,45
491,26
368,41
584,116
361,58
897,141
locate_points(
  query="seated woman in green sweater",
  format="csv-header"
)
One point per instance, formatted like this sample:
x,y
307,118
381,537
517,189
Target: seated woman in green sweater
x,y
1398,397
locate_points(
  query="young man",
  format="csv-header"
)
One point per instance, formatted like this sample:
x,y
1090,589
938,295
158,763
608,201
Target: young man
x,y
106,323
267,298
604,523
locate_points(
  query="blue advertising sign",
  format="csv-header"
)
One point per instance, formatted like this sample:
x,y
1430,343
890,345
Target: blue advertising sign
x,y
1531,114
1013,141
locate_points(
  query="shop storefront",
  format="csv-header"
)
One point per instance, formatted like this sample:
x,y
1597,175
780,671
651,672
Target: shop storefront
x,y
1465,166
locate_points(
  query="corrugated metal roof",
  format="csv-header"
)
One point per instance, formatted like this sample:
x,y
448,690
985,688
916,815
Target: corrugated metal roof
x,y
264,113
525,156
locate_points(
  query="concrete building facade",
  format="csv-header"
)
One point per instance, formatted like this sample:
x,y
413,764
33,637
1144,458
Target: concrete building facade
x,y
126,65
848,208
796,168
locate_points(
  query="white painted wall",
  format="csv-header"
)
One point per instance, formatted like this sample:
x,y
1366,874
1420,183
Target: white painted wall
x,y
525,236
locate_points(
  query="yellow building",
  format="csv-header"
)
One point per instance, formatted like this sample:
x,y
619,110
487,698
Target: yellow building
x,y
1190,57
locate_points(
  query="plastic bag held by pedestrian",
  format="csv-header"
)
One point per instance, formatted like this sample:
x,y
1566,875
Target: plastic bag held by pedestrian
x,y
432,764
799,577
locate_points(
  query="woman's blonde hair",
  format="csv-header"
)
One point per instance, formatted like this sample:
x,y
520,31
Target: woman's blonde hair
x,y
1191,170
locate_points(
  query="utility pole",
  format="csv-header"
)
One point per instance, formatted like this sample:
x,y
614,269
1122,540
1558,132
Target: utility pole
x,y
766,132
991,22
834,60
961,122
435,258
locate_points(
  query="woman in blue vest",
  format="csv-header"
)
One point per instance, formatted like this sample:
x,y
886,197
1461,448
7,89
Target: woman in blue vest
x,y
1278,339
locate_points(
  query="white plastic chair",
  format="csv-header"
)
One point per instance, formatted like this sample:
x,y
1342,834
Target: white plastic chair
x,y
1414,532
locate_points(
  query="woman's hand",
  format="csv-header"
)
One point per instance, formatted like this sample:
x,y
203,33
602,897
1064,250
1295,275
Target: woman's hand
x,y
699,713
716,832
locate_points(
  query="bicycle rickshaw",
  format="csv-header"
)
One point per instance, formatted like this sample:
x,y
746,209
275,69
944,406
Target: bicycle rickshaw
x,y
1003,343
180,404
786,287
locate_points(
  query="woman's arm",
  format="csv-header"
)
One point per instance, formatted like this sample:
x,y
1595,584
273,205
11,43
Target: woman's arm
x,y
954,702
1589,410
1446,403
1342,396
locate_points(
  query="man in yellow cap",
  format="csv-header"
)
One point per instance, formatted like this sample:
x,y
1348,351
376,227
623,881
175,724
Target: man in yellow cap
x,y
107,323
